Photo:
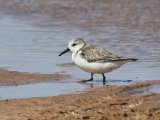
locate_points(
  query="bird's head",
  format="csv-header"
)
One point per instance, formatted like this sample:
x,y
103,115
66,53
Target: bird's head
x,y
74,45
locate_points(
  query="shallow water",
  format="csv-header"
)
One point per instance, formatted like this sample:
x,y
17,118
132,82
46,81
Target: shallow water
x,y
39,90
51,88
146,90
32,43
30,48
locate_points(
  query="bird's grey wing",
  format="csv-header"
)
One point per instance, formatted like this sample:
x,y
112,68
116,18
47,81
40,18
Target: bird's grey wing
x,y
97,54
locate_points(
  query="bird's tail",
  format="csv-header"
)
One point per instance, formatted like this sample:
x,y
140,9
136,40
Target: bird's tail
x,y
130,59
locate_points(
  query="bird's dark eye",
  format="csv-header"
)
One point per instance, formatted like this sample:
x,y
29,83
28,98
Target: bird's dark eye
x,y
73,44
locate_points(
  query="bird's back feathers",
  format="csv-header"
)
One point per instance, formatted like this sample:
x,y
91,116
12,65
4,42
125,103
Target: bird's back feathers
x,y
93,53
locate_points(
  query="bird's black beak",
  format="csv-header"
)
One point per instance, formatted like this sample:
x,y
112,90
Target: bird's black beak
x,y
65,51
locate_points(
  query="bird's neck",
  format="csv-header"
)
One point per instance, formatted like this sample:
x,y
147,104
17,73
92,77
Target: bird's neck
x,y
74,54
81,47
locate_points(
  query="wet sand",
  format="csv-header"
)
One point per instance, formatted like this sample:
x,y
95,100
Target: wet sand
x,y
8,78
103,103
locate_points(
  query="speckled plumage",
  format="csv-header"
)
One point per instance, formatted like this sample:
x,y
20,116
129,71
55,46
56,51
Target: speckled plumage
x,y
92,53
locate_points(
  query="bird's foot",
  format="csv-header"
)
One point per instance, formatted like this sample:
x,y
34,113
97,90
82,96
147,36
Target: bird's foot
x,y
83,81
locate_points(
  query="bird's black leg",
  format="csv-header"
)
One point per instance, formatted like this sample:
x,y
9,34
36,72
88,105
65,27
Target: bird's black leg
x,y
89,79
104,78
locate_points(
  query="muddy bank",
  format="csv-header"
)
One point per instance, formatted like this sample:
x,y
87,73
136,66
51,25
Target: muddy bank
x,y
104,103
17,78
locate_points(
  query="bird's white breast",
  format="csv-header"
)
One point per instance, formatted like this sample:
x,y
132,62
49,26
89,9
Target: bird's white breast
x,y
94,67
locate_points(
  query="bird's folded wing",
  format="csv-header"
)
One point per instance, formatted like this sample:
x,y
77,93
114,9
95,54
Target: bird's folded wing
x,y
97,54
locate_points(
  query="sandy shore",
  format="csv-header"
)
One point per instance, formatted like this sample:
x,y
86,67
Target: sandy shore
x,y
103,103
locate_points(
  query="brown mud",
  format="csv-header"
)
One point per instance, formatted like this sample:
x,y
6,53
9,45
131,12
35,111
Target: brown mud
x,y
8,78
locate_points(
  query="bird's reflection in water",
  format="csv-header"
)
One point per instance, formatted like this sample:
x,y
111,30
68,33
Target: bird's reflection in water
x,y
97,83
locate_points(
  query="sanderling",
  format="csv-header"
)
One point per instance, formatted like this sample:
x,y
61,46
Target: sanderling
x,y
94,59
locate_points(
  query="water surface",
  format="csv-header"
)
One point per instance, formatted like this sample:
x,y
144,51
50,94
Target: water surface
x,y
30,48
146,90
39,90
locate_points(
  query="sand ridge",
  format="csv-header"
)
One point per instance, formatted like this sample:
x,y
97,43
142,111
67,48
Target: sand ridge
x,y
16,78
